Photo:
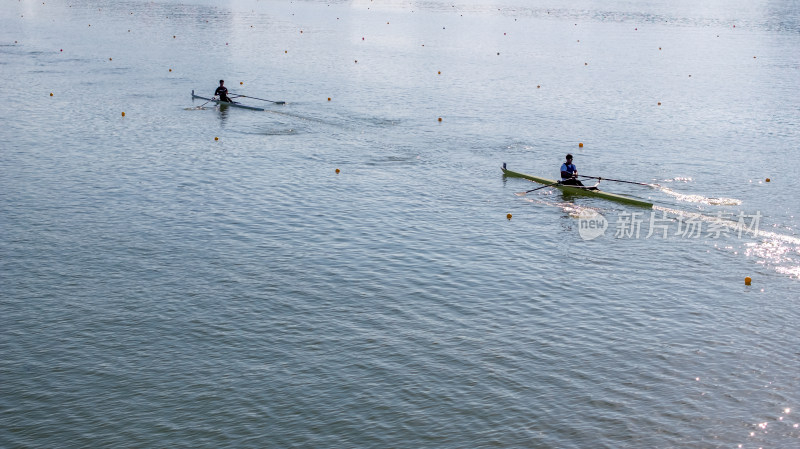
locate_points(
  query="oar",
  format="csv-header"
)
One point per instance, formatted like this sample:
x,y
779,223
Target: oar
x,y
618,180
538,188
262,99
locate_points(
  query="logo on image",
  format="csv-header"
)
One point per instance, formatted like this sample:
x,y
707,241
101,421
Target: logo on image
x,y
591,224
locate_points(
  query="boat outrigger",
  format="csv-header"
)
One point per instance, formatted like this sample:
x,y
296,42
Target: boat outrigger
x,y
579,190
225,103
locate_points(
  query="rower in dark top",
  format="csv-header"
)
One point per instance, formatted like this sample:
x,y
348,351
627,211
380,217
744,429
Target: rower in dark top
x,y
569,173
222,91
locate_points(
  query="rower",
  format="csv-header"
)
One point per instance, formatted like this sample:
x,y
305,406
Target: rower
x,y
569,173
222,91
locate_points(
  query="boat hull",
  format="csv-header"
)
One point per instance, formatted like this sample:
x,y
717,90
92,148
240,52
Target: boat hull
x,y
579,191
225,103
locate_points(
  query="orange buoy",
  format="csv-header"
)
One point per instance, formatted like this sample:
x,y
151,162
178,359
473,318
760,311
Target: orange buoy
x,y
580,145
440,119
337,171
51,94
241,83
329,98
747,280
216,138
659,103
123,114
766,179
508,216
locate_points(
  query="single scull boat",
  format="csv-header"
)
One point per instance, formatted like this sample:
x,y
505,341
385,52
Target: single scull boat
x,y
587,190
225,103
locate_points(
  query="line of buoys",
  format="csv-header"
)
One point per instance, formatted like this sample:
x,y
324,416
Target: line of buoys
x,y
747,280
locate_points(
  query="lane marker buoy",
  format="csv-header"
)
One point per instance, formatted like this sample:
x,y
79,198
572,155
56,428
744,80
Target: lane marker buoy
x,y
747,280
508,216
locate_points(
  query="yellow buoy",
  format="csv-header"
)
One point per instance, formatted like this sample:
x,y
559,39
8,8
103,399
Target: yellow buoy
x,y
747,280
216,138
508,216
123,114
337,171
580,145
766,179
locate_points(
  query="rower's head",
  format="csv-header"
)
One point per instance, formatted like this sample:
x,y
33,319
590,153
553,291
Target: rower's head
x,y
569,157
221,82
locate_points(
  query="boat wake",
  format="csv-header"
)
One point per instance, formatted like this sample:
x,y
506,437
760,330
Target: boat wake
x,y
692,198
774,250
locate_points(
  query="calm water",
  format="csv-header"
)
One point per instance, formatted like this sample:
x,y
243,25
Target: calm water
x,y
159,287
